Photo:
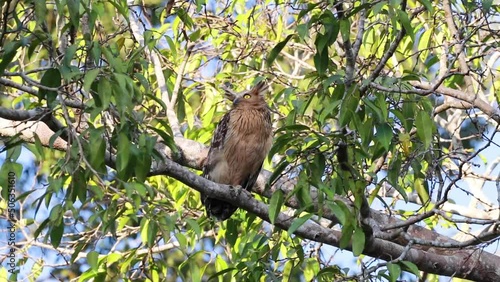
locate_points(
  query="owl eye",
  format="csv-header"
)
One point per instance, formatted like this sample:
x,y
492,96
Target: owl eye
x,y
246,96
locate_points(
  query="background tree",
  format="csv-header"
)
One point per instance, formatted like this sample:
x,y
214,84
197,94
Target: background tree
x,y
116,101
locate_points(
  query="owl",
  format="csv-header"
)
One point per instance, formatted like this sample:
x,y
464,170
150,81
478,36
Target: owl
x,y
240,143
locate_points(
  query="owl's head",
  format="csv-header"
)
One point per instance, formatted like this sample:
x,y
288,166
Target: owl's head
x,y
250,98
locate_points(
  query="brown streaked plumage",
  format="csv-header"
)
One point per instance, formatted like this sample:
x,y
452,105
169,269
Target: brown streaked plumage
x,y
239,146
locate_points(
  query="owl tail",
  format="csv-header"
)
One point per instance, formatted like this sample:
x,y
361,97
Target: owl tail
x,y
219,209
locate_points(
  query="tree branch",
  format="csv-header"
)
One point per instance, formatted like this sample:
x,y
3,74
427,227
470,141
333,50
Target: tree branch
x,y
471,264
27,131
429,88
390,51
160,78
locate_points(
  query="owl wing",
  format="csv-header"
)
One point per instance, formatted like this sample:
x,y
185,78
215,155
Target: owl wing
x,y
212,170
216,145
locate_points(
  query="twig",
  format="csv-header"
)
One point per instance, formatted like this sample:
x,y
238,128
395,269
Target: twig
x,y
160,78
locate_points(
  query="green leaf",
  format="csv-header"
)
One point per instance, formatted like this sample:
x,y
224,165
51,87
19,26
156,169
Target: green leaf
x,y
277,49
287,270
55,213
384,135
405,22
56,234
220,273
310,7
422,190
9,52
394,170
486,5
346,237
411,267
14,152
89,78
95,52
275,205
123,154
113,61
281,143
145,229
302,30
39,147
394,271
41,228
408,114
74,12
374,109
294,127
321,60
424,126
54,137
92,260
143,156
167,138
348,107
69,54
358,241
24,195
321,42
97,153
78,186
77,251
339,213
302,191
52,79
232,233
185,18
428,5
112,258
172,46
40,11
103,96
88,275
425,40
345,29
278,171
298,222
195,35
328,272
136,188
10,173
194,226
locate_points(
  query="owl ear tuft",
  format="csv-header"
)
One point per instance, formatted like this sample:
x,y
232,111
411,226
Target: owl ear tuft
x,y
260,88
229,93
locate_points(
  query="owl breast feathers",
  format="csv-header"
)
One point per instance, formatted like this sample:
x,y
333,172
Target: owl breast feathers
x,y
239,146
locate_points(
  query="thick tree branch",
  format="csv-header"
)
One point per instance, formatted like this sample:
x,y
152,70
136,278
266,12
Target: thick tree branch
x,y
27,131
468,264
197,154
24,115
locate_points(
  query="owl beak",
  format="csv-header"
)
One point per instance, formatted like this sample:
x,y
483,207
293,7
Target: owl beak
x,y
236,101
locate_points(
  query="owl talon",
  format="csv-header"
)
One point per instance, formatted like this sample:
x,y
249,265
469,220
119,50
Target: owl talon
x,y
237,189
